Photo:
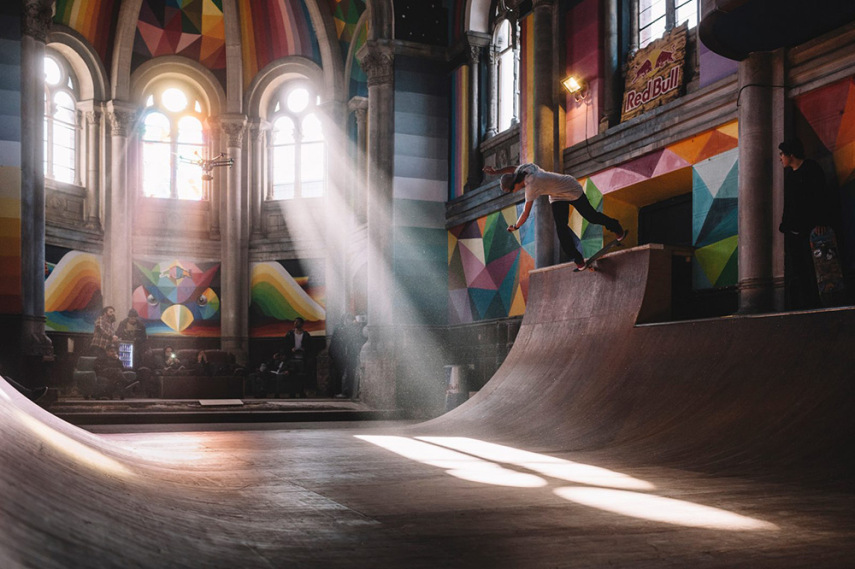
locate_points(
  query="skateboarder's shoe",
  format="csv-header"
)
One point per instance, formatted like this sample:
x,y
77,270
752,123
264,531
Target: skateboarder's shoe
x,y
581,266
622,235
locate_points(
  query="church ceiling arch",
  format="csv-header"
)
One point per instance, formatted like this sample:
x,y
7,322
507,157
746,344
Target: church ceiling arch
x,y
95,20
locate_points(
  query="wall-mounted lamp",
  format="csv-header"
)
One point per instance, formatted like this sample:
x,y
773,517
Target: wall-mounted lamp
x,y
576,87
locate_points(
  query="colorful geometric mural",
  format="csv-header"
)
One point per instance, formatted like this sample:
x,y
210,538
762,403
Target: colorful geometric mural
x,y
712,157
92,19
280,291
488,267
715,220
272,30
190,28
825,122
178,297
72,290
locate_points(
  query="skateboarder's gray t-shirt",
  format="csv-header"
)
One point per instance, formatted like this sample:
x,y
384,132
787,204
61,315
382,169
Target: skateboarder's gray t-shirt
x,y
539,182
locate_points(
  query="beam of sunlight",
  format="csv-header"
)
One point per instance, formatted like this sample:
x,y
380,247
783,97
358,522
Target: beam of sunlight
x,y
80,453
543,464
659,509
456,464
175,449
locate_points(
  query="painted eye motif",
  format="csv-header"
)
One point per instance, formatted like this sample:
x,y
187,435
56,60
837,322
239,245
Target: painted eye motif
x,y
202,300
151,299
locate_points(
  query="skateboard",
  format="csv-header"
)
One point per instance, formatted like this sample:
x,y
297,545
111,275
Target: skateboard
x,y
589,264
826,263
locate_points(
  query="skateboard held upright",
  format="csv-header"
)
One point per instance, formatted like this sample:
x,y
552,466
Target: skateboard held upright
x,y
826,263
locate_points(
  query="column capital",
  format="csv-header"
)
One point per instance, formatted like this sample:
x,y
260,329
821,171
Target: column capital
x,y
378,62
234,127
122,117
35,19
258,129
358,106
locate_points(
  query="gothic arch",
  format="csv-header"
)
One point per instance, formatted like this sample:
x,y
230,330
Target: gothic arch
x,y
83,59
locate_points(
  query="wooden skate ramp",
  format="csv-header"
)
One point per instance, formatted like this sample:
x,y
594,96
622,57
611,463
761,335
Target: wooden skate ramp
x,y
588,371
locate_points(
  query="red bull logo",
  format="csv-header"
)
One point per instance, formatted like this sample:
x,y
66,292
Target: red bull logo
x,y
645,68
664,58
654,88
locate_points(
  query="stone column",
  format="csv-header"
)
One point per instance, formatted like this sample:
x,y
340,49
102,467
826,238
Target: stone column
x,y
257,130
493,116
756,160
779,122
338,228
232,338
35,344
543,119
378,354
118,226
476,44
93,168
359,107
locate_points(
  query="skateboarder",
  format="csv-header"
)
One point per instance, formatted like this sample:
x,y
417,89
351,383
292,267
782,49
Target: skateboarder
x,y
808,204
563,191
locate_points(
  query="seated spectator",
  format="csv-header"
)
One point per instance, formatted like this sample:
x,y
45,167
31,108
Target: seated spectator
x,y
109,373
170,362
201,365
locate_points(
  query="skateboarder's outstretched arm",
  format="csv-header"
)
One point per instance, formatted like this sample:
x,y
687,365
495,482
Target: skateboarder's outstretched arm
x,y
493,171
523,216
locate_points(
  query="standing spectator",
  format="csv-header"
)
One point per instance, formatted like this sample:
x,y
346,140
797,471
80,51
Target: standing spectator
x,y
299,352
808,204
338,357
355,341
105,332
132,329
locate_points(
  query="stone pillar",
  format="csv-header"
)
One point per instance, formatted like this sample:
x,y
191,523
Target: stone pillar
x,y
779,122
493,116
756,160
378,354
257,130
232,338
118,226
476,44
215,186
543,119
93,168
612,82
338,229
35,344
359,107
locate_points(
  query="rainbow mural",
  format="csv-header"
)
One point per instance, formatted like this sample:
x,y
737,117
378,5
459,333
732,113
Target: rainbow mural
x,y
526,90
459,131
73,292
93,19
488,267
272,30
10,162
278,296
178,297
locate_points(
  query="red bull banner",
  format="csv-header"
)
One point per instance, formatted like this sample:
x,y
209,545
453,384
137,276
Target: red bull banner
x,y
655,74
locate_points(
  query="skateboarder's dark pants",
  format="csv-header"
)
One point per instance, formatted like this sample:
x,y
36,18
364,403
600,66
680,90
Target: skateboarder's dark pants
x,y
800,289
561,215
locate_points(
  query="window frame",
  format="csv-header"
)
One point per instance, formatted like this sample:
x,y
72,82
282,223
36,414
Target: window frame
x,y
498,57
69,85
195,108
278,110
670,15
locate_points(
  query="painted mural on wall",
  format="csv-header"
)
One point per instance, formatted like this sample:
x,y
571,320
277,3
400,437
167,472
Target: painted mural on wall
x,y
178,297
72,290
825,122
488,267
280,291
712,157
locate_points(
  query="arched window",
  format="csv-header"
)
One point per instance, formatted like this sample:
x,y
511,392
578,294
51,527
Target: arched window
x,y
298,150
60,125
504,45
173,142
655,17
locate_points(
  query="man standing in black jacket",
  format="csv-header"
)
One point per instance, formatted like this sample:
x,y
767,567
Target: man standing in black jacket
x,y
808,204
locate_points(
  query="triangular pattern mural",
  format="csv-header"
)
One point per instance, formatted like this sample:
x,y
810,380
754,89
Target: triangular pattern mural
x,y
488,267
715,187
825,122
193,29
